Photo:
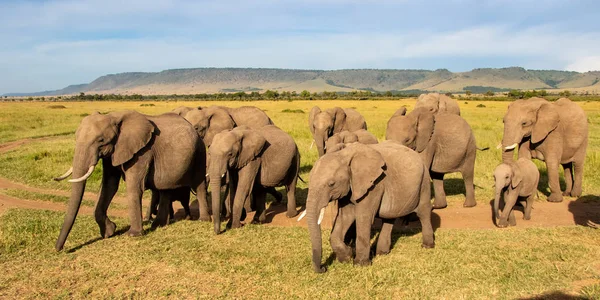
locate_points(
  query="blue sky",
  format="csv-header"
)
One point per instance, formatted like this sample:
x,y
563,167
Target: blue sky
x,y
51,44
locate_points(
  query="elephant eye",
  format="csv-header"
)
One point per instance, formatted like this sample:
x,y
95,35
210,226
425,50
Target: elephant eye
x,y
331,183
406,140
101,140
524,123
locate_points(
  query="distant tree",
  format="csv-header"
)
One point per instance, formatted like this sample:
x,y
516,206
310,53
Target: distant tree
x,y
565,93
468,92
305,94
516,94
489,93
389,94
449,94
543,93
271,94
294,94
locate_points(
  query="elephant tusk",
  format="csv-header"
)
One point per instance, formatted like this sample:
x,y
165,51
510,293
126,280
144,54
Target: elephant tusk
x,y
499,146
302,215
321,215
85,176
223,175
311,145
511,147
325,147
207,175
63,176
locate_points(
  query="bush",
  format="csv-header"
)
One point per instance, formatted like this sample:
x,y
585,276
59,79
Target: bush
x,y
293,111
146,104
56,106
480,105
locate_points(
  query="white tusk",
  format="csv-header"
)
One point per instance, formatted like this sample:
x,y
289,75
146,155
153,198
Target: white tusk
x,y
63,176
510,147
85,176
499,146
311,145
321,216
302,215
223,175
325,147
207,175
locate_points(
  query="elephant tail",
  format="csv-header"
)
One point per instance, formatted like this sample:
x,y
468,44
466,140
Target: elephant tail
x,y
301,179
483,149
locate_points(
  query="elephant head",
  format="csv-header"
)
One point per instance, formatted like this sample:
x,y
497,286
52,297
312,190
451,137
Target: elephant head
x,y
323,124
231,150
530,119
344,137
505,175
114,137
209,121
183,110
346,174
435,103
413,130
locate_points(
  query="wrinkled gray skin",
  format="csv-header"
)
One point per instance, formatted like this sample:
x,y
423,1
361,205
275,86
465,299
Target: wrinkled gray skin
x,y
181,194
254,160
553,132
346,137
513,181
324,124
438,103
384,180
149,152
444,141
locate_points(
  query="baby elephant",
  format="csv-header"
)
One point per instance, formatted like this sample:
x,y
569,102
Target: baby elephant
x,y
516,179
346,137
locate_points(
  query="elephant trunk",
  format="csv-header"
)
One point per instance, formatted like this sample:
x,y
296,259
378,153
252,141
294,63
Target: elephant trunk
x,y
215,174
320,142
314,228
82,163
510,141
497,201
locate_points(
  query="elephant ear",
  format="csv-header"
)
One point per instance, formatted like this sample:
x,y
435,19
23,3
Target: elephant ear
x,y
339,119
311,118
401,111
366,166
425,123
516,177
134,133
252,144
443,103
350,137
547,120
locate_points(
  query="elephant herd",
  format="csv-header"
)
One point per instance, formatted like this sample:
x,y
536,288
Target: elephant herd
x,y
241,148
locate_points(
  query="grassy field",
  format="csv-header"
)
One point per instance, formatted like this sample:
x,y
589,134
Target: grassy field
x,y
261,260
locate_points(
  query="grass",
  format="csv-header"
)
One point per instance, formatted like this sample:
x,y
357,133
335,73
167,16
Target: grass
x,y
275,261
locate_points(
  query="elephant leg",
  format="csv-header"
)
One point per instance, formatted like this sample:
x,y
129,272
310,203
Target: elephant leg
x,y
245,182
424,213
259,194
110,184
364,221
528,207
232,189
227,210
343,221
185,202
200,189
152,207
553,181
384,240
134,197
468,174
438,188
165,207
291,198
277,195
578,170
510,198
568,168
512,221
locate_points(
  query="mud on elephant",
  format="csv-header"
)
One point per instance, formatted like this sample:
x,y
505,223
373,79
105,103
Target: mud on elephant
x,y
149,152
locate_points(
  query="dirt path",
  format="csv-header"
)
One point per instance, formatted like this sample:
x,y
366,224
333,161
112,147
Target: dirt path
x,y
569,212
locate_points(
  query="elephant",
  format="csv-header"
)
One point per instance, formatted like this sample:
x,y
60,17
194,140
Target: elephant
x,y
515,180
438,103
180,194
556,133
160,153
254,159
385,180
324,124
446,144
345,137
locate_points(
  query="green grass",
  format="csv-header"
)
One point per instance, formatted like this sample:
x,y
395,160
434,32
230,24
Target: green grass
x,y
274,262
22,194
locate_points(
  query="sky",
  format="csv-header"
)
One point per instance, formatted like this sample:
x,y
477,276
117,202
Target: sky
x,y
47,45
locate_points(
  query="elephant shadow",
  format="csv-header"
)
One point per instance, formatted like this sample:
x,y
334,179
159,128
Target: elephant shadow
x,y
555,295
544,187
117,233
586,210
453,186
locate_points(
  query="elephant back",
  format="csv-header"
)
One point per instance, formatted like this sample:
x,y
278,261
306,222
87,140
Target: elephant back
x,y
573,122
250,116
278,157
354,120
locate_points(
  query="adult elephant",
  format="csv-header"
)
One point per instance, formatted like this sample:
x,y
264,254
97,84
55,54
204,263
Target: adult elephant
x,y
556,133
445,142
385,180
160,153
254,159
324,124
438,103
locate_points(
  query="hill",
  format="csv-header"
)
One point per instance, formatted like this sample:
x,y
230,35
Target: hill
x,y
226,80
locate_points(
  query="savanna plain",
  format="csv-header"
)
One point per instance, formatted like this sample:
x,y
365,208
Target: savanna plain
x,y
555,256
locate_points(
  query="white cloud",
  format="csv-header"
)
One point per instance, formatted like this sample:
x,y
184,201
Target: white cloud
x,y
584,64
